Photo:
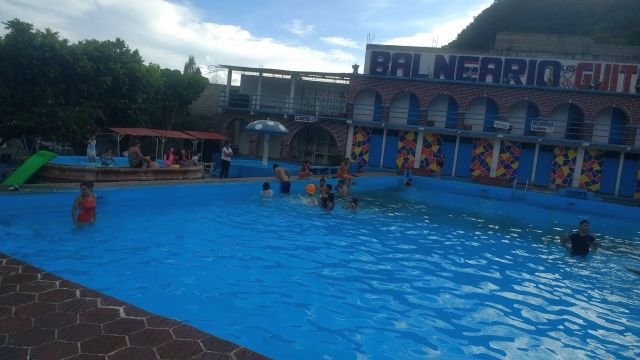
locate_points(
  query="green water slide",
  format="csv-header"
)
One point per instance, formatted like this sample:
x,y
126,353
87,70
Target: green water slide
x,y
28,168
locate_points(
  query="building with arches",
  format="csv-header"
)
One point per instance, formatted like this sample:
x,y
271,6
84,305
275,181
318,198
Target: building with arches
x,y
549,122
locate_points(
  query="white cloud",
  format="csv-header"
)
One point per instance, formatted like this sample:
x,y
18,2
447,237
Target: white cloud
x,y
443,33
166,33
298,27
340,41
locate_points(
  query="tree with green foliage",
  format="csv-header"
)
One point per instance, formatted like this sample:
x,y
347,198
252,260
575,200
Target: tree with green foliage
x,y
57,91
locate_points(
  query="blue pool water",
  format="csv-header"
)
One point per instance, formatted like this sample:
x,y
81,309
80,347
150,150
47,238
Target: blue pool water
x,y
83,161
425,271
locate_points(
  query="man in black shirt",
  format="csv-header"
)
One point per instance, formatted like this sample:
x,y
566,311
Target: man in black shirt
x,y
579,243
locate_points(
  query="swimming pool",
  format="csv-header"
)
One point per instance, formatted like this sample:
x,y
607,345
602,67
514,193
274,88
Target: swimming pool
x,y
425,271
120,161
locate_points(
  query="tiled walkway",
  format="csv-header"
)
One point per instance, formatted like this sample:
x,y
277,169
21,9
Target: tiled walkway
x,y
44,317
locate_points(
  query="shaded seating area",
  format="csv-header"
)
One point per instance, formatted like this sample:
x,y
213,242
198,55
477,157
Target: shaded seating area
x,y
161,136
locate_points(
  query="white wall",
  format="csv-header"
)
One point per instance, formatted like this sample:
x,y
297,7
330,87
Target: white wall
x,y
559,115
475,113
602,126
399,111
517,117
364,105
437,111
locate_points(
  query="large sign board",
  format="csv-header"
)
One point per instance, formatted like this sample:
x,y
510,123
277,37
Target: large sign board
x,y
420,63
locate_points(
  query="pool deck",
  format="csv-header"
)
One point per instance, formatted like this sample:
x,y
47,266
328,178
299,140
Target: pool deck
x,y
45,317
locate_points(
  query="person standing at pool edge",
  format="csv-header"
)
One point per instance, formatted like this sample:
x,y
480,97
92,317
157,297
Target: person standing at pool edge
x,y
84,206
579,243
91,148
284,175
225,160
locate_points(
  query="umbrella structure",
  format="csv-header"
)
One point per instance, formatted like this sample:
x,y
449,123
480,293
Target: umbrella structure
x,y
267,128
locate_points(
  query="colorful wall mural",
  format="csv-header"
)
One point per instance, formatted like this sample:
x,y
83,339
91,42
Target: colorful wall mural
x,y
360,147
481,157
564,161
432,155
406,149
591,175
508,160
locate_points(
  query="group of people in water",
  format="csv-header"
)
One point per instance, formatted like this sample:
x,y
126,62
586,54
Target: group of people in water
x,y
321,195
577,243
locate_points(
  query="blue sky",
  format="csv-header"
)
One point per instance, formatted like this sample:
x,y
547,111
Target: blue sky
x,y
325,35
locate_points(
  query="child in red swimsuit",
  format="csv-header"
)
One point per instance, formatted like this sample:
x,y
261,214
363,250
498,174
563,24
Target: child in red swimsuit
x,y
84,207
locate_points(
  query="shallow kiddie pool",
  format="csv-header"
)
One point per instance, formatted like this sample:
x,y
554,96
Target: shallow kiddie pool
x,y
439,269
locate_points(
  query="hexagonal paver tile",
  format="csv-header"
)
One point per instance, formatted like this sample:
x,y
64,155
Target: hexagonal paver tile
x,y
54,350
132,311
28,269
246,354
56,320
8,289
15,299
67,284
162,322
31,337
213,343
6,311
150,337
6,270
57,295
78,305
87,357
100,315
35,309
19,278
109,301
38,286
180,349
187,332
103,344
124,326
79,332
49,277
14,262
12,325
8,352
208,355
133,352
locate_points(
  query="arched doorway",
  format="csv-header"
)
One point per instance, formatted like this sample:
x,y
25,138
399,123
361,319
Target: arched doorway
x,y
405,109
368,106
568,123
481,113
316,144
442,111
521,114
610,126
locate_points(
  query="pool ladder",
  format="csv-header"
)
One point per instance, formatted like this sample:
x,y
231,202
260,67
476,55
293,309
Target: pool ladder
x,y
515,188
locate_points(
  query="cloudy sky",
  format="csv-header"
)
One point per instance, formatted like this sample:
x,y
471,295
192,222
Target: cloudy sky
x,y
327,35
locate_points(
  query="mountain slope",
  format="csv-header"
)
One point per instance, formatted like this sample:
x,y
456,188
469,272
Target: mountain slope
x,y
607,21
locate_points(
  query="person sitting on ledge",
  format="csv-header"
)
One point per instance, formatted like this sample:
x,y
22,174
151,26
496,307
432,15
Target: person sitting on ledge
x,y
136,159
305,170
106,159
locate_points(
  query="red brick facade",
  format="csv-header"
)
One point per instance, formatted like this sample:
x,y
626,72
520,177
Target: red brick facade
x,y
505,96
